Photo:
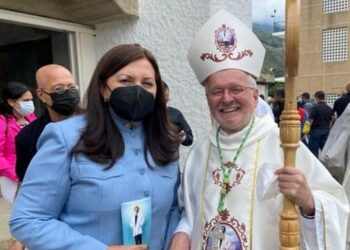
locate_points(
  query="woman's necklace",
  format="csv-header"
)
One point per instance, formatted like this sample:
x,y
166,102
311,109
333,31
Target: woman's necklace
x,y
228,166
22,122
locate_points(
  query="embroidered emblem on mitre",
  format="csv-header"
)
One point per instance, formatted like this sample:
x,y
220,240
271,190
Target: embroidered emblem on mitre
x,y
224,42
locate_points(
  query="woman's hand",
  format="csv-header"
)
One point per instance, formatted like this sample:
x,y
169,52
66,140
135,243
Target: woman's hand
x,y
16,245
132,247
180,241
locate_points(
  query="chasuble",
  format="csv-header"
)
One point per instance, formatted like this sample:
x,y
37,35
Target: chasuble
x,y
246,222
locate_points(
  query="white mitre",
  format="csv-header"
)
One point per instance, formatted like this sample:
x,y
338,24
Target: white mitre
x,y
224,42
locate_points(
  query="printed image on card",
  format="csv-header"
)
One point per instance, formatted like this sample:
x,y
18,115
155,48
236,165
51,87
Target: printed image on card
x,y
136,221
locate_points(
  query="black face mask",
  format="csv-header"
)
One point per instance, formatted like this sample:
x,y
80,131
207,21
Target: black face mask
x,y
132,103
65,103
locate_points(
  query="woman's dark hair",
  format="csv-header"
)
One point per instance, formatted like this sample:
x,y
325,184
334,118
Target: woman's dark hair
x,y
101,141
11,90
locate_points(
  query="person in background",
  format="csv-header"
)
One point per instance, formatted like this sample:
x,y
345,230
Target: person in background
x,y
278,105
301,112
306,102
341,103
320,123
270,101
60,94
303,117
222,181
177,118
335,154
16,112
121,149
263,108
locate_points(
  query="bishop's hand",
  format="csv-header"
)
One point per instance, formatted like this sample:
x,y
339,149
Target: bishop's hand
x,y
292,183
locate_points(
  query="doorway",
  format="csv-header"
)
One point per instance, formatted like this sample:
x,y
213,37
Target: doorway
x,y
28,42
24,49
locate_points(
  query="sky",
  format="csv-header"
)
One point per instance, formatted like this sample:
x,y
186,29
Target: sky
x,y
263,9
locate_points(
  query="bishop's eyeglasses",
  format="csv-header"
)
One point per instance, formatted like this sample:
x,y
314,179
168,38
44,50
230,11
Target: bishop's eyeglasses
x,y
233,91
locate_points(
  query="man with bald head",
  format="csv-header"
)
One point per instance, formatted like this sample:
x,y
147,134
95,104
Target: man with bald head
x,y
58,91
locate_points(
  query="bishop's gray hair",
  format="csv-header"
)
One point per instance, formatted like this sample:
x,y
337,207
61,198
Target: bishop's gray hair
x,y
250,80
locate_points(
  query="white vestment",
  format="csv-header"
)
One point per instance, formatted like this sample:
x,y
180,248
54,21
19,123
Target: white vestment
x,y
263,108
336,153
251,223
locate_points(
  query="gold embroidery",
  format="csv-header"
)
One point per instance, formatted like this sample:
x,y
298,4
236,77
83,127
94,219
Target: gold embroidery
x,y
221,227
252,203
253,194
202,194
324,228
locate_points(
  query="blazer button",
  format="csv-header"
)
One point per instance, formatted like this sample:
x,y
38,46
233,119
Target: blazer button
x,y
146,193
142,171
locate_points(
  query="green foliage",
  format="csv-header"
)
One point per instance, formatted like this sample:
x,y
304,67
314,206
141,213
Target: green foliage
x,y
274,58
267,39
273,86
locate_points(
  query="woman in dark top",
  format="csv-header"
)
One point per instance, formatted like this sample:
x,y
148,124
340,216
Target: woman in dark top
x,y
177,118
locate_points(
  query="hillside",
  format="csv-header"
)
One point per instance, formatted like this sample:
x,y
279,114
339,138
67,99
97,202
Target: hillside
x,y
274,58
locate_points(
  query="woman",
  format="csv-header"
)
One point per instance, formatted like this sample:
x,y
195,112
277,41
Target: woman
x,y
86,167
177,118
16,111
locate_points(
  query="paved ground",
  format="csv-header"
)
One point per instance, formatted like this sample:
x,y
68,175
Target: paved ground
x,y
4,230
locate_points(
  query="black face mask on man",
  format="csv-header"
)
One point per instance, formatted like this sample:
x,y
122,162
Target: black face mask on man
x,y
131,103
65,103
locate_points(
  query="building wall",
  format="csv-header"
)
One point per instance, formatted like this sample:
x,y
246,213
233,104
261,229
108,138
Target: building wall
x,y
263,90
314,74
166,28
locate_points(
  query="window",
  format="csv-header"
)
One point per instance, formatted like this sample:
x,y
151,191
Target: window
x,y
330,6
330,98
335,45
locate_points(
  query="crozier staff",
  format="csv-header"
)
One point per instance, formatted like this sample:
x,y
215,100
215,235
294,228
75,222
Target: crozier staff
x,y
219,183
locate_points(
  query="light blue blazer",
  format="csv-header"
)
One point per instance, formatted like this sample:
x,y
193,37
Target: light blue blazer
x,y
69,202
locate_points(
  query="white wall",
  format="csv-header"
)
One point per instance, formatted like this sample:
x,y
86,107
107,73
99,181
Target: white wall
x,y
167,27
262,88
